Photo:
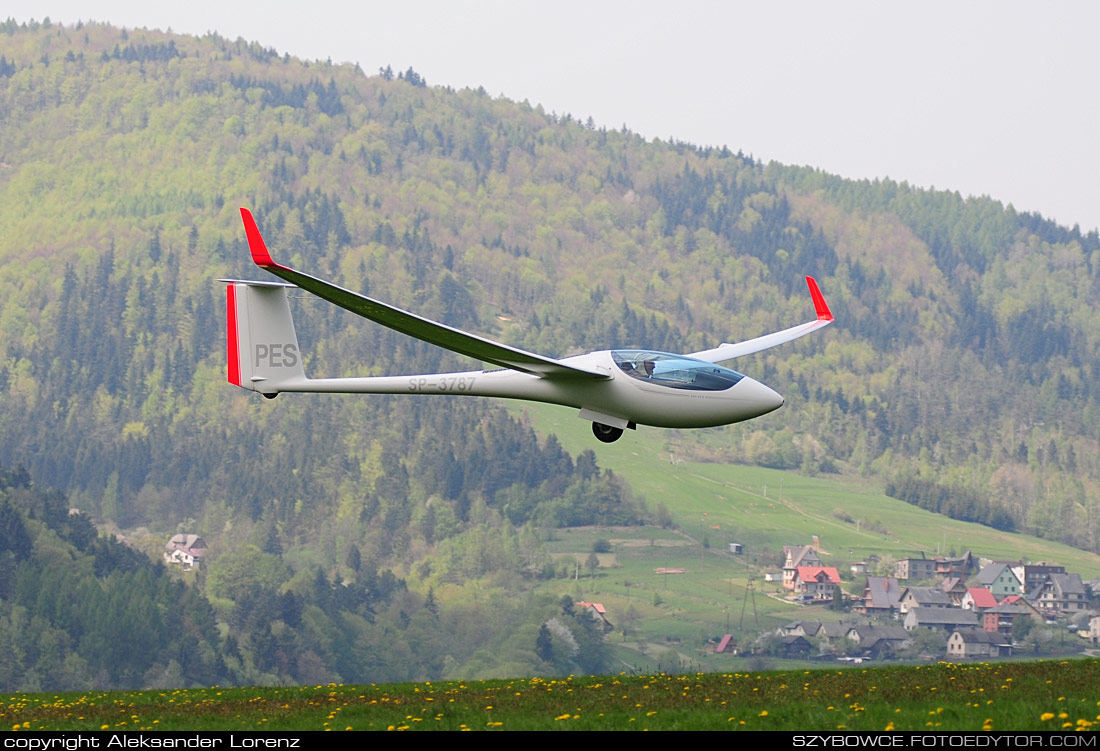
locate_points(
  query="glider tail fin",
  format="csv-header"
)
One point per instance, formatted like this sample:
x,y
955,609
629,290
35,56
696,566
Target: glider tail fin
x,y
263,352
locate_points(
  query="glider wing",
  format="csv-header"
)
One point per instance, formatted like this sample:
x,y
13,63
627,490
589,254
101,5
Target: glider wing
x,y
730,351
439,334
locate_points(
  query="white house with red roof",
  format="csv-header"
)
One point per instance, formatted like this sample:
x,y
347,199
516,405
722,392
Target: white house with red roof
x,y
795,556
184,550
817,581
978,599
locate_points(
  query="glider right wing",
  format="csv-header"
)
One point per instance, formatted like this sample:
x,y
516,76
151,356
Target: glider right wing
x,y
438,334
730,351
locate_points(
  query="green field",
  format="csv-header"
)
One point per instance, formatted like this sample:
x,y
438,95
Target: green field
x,y
1052,695
677,617
765,509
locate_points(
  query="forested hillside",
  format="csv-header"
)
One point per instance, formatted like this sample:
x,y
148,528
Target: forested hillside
x,y
80,610
962,369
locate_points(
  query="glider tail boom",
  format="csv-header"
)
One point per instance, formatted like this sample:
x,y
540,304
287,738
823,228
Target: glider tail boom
x,y
263,352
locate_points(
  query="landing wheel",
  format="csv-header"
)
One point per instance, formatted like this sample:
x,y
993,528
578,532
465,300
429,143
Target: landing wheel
x,y
271,396
606,433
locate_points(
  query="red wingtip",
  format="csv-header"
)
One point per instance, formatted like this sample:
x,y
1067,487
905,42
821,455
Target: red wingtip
x,y
256,245
823,312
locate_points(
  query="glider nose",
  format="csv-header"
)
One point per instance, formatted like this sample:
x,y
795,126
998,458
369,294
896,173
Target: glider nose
x,y
759,397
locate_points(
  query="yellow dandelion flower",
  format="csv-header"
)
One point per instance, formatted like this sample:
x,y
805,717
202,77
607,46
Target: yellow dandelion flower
x,y
1046,716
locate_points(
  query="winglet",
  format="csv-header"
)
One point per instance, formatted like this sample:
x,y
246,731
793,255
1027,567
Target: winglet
x,y
823,312
256,245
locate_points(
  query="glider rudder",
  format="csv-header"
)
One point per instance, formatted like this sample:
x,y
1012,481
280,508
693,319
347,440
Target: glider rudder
x,y
263,348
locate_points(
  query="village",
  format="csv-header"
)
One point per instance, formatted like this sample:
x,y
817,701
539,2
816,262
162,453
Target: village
x,y
933,608
930,608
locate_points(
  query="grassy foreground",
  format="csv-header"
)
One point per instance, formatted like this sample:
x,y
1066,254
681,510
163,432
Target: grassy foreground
x,y
1044,695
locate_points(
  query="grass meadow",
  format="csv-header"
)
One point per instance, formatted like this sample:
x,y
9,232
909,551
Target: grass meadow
x,y
1006,696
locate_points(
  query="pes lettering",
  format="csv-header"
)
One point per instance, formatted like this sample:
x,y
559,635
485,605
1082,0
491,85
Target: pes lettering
x,y
276,355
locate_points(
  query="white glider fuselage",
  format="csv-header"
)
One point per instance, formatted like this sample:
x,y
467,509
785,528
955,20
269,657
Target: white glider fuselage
x,y
618,400
614,389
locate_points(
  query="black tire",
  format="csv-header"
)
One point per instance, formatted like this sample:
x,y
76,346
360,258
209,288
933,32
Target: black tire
x,y
606,433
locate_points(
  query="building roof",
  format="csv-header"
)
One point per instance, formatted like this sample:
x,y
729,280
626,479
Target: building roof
x,y
192,543
950,583
1068,584
818,573
835,629
982,597
881,592
796,553
871,634
927,596
598,607
981,636
993,571
943,617
1017,606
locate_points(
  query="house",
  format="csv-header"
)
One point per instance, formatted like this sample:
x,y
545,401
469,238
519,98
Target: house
x,y
597,612
827,631
795,556
727,644
978,599
976,642
955,589
800,628
962,567
915,569
1034,576
817,581
1094,629
794,628
940,619
1000,579
879,641
880,595
859,568
796,646
184,550
922,597
1063,594
1005,614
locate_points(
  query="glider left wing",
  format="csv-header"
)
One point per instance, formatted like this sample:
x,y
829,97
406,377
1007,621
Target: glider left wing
x,y
438,334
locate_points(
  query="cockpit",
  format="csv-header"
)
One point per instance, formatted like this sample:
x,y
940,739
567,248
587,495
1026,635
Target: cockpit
x,y
674,371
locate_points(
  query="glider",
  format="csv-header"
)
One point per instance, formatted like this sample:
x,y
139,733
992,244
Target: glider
x,y
613,389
